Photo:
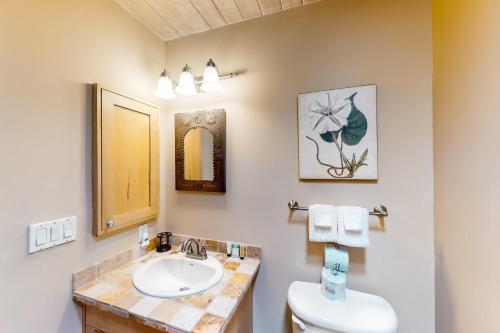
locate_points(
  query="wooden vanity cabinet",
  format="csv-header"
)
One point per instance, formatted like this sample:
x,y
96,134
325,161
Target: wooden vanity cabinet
x,y
98,321
125,161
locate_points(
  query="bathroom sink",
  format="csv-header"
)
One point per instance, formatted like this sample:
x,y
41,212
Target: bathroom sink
x,y
175,275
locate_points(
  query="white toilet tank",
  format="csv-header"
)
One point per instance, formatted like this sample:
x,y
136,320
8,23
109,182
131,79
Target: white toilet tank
x,y
360,313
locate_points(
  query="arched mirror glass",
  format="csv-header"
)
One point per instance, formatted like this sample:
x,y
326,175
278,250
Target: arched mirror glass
x,y
199,154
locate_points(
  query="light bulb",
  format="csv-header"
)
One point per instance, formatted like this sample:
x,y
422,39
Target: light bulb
x,y
210,77
165,87
186,82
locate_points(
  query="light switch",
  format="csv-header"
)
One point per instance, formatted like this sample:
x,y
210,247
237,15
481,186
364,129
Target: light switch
x,y
56,232
44,235
41,236
68,228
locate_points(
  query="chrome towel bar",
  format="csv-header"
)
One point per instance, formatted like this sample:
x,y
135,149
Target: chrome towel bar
x,y
379,210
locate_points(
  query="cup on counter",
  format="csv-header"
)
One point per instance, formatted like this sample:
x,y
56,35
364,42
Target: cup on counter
x,y
163,242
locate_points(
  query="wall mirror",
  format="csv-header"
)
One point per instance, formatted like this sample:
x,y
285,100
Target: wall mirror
x,y
200,151
199,154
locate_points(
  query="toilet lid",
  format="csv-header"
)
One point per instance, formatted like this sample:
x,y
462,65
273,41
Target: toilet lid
x,y
360,313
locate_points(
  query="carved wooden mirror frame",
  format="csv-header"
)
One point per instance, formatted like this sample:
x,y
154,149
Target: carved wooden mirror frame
x,y
215,122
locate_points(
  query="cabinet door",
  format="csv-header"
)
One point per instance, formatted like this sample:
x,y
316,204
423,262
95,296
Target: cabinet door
x,y
125,162
97,321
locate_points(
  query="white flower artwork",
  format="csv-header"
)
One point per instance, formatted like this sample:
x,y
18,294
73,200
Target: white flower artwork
x,y
338,134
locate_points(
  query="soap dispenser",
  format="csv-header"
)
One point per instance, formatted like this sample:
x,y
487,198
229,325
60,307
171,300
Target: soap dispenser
x,y
143,236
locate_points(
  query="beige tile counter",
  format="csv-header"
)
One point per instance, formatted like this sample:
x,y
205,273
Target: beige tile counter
x,y
108,286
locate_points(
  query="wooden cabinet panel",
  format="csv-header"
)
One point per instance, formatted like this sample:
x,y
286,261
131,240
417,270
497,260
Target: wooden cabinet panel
x,y
125,161
98,321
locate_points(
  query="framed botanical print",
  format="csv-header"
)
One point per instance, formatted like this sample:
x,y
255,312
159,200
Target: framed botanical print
x,y
338,134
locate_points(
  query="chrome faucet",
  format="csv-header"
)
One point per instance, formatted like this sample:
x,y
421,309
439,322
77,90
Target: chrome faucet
x,y
195,249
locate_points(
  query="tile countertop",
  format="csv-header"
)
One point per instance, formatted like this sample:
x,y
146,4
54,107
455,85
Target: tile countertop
x,y
209,311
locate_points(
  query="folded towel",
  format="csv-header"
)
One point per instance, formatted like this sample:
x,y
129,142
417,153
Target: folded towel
x,y
333,284
353,217
322,215
321,233
353,238
336,258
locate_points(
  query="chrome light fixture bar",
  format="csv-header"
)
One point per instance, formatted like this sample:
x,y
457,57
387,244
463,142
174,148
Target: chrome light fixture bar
x,y
199,80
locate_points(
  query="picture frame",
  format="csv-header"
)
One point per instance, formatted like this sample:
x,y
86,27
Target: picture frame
x,y
338,134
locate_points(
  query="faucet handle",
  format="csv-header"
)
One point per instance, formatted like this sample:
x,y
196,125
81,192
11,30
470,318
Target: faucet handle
x,y
203,250
194,248
183,245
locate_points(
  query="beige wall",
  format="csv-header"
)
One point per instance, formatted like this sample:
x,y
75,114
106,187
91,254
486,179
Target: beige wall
x,y
335,43
466,117
49,51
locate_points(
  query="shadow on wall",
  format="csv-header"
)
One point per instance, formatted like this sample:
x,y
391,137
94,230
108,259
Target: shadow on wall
x,y
67,322
445,321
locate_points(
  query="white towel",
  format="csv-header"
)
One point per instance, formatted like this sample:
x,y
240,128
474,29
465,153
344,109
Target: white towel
x,y
353,217
354,238
322,215
323,223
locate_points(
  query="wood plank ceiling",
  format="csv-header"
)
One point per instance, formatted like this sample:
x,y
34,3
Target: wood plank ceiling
x,y
172,19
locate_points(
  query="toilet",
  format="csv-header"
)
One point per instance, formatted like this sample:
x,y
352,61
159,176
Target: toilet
x,y
360,313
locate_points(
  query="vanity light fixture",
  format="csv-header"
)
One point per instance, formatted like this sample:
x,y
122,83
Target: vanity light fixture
x,y
210,78
165,87
186,82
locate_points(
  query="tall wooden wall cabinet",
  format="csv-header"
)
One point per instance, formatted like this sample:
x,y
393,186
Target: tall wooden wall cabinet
x,y
125,162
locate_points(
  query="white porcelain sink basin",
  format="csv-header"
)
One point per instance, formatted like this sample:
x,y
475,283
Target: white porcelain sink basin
x,y
175,275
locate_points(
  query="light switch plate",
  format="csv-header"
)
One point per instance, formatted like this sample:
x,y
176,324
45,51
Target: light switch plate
x,y
44,235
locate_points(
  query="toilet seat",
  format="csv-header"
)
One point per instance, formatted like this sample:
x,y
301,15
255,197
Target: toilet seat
x,y
360,313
